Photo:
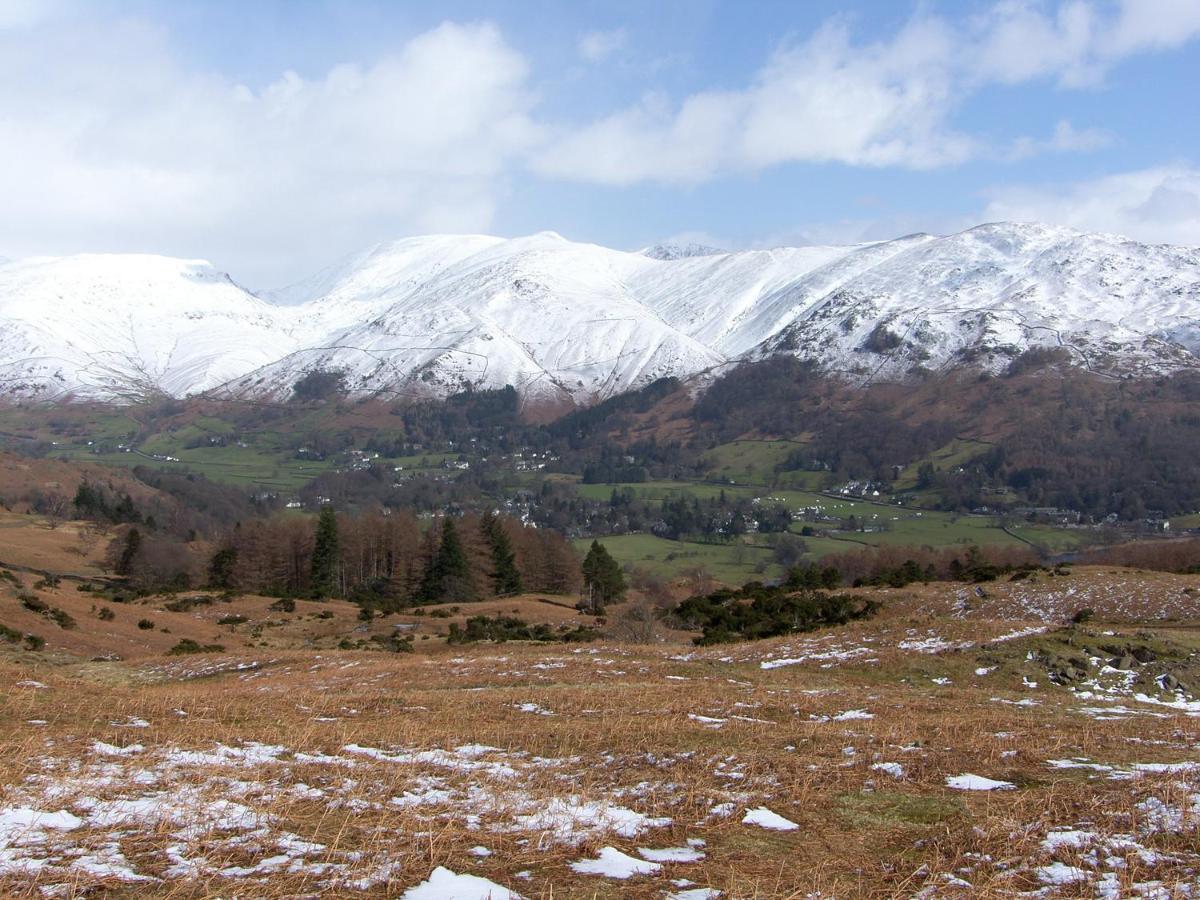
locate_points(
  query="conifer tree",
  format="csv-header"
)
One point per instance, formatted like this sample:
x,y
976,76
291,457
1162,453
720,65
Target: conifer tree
x,y
221,568
506,577
129,552
448,576
323,575
603,581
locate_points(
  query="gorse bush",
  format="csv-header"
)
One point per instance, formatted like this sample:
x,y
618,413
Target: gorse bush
x,y
187,646
509,628
757,611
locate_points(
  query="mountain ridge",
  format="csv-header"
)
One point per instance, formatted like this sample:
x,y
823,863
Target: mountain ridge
x,y
575,323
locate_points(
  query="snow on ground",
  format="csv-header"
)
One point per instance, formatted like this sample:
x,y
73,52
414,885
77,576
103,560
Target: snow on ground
x,y
218,808
1123,596
612,863
443,884
976,783
764,818
1116,688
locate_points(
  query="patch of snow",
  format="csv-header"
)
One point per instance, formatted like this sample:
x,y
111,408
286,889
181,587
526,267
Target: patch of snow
x,y
976,783
764,818
612,863
671,854
443,884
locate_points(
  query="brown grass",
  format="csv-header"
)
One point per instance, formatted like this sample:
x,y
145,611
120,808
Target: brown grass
x,y
603,723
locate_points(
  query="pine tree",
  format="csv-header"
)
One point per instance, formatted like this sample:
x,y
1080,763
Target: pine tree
x,y
323,575
129,552
603,581
221,567
506,577
448,576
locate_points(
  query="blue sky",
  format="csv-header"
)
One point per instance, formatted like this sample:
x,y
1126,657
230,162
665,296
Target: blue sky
x,y
273,137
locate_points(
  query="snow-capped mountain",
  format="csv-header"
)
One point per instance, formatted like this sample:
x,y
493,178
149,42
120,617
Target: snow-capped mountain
x,y
577,322
125,326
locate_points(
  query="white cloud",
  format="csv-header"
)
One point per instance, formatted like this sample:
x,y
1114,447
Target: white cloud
x,y
116,146
25,13
1157,205
597,46
109,141
824,100
1066,138
1017,40
890,103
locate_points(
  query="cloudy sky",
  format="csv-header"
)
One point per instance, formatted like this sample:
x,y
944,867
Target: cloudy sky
x,y
274,137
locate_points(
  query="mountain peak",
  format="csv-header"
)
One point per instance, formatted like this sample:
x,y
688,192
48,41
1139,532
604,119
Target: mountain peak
x,y
578,322
667,252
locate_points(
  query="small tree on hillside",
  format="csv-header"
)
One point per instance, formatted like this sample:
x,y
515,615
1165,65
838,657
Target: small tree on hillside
x,y
603,581
323,577
221,568
506,577
128,555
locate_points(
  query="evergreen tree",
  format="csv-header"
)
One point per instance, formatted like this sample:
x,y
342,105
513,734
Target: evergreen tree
x,y
129,553
603,581
506,577
323,576
220,568
448,576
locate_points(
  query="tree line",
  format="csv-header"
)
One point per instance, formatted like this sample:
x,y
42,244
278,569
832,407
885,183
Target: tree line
x,y
384,561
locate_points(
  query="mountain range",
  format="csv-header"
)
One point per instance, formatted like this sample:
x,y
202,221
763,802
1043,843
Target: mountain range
x,y
577,323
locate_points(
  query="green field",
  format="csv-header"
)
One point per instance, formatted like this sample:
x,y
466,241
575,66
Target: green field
x,y
656,491
956,453
730,563
225,465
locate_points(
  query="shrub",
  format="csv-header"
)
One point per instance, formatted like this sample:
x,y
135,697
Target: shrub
x,y
33,642
61,618
183,604
234,619
146,624
9,635
187,645
32,603
106,614
510,628
286,605
725,615
394,642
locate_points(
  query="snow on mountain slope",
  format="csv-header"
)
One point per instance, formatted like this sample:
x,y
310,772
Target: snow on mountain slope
x,y
986,294
555,319
107,326
577,322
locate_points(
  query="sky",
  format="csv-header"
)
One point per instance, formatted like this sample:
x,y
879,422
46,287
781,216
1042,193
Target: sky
x,y
273,138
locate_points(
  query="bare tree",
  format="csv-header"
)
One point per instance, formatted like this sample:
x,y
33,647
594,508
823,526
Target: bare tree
x,y
54,506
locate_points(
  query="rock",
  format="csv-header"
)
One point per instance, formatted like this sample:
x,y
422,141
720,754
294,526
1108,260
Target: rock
x,y
1124,663
1169,682
1144,655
